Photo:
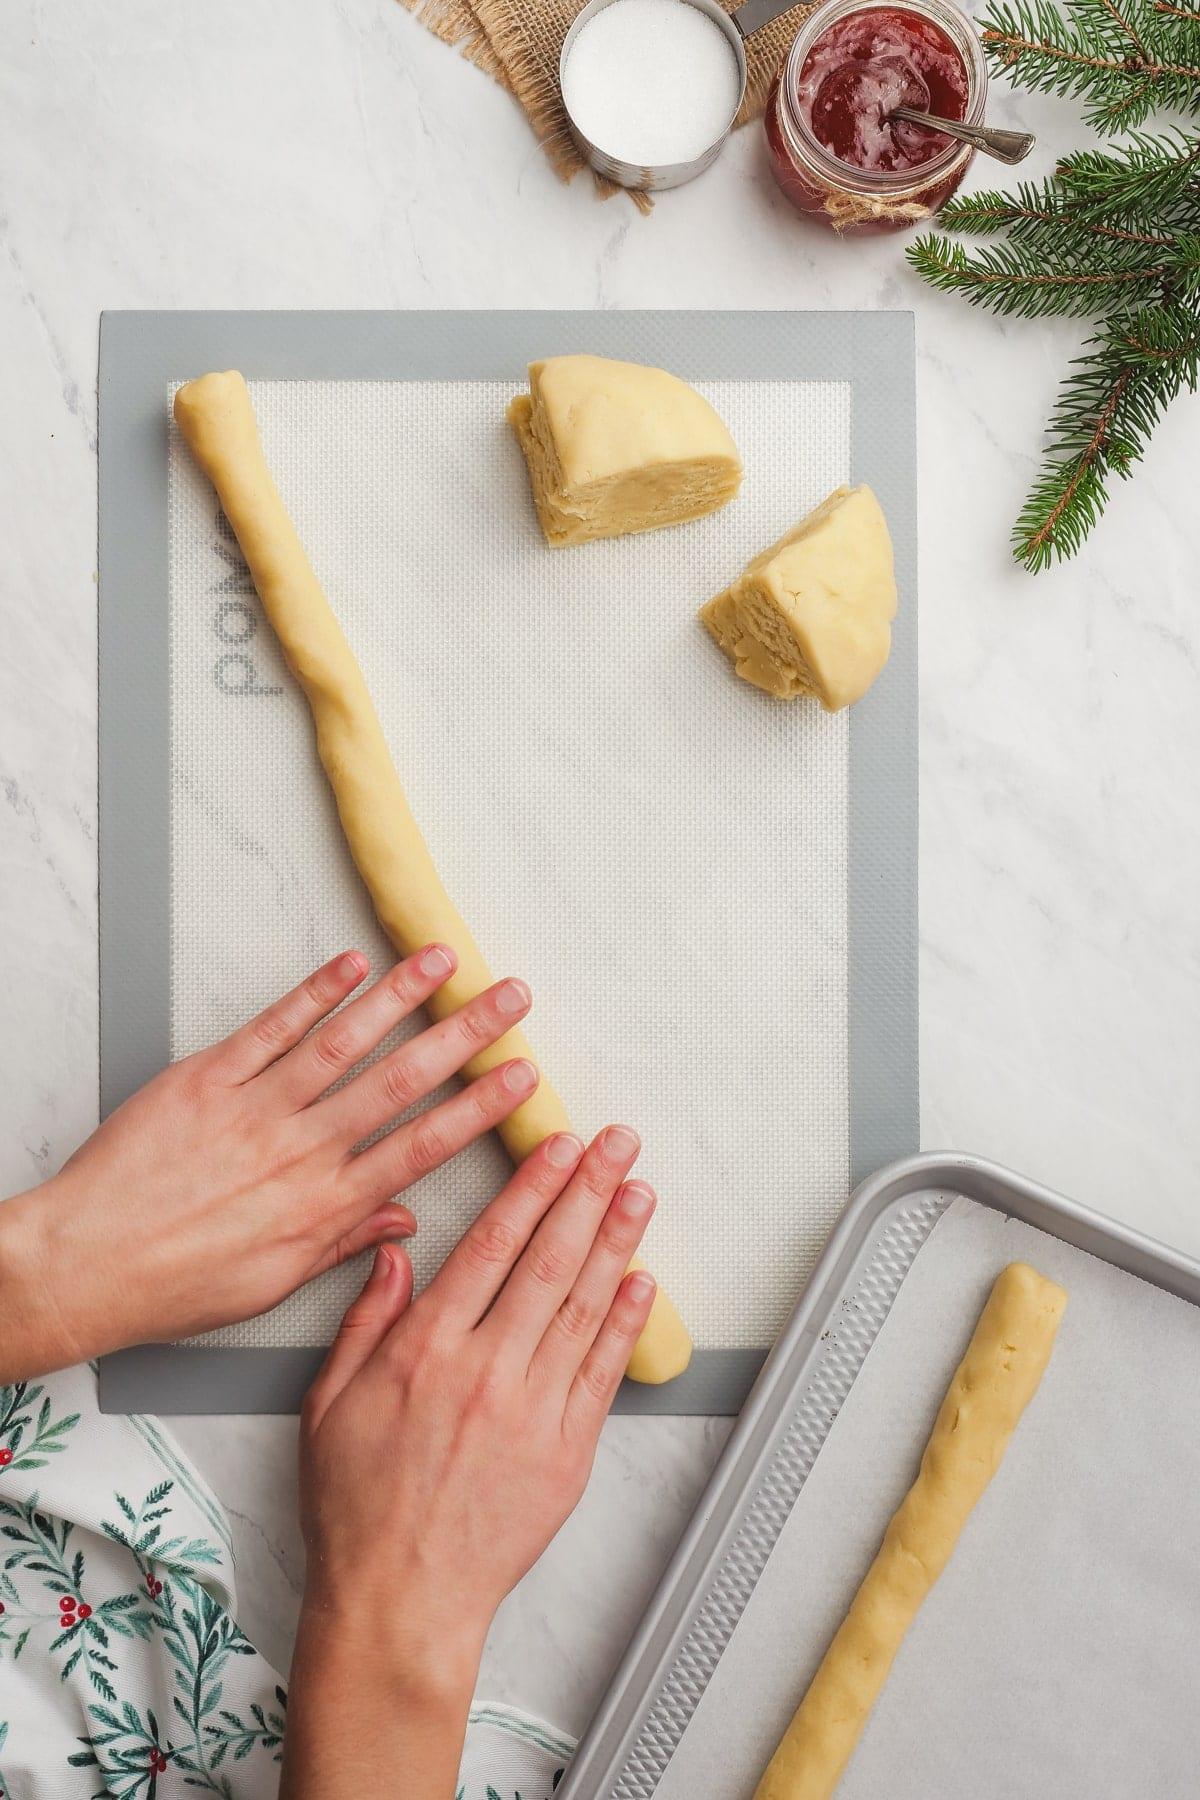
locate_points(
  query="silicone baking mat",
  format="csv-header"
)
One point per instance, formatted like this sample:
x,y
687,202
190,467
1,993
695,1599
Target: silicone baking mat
x,y
712,895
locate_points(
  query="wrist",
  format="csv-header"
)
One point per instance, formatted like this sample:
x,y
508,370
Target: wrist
x,y
35,1333
376,1686
411,1649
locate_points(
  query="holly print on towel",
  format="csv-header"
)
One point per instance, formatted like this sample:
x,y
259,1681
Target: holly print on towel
x,y
124,1674
119,1656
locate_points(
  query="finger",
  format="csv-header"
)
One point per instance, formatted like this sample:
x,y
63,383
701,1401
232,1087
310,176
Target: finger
x,y
363,1328
594,1388
476,1269
413,1071
326,1055
575,1326
412,1150
268,1036
558,1249
387,1219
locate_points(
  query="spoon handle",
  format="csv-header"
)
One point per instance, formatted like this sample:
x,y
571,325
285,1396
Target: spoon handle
x,y
1006,146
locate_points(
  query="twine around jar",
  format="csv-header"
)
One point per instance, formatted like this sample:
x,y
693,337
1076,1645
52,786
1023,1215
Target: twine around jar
x,y
867,209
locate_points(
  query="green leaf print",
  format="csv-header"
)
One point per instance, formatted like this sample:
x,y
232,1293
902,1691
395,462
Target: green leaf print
x,y
17,1402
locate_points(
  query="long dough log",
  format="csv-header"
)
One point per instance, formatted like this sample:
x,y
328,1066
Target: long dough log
x,y
217,420
992,1386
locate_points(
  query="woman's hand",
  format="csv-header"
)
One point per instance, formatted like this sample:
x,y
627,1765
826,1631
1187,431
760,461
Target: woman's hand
x,y
442,1446
233,1176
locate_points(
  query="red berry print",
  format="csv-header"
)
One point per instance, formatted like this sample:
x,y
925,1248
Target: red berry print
x,y
85,1611
5,1457
66,1604
1,1611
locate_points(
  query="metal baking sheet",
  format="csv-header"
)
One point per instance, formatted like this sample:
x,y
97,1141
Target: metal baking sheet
x,y
715,1570
141,355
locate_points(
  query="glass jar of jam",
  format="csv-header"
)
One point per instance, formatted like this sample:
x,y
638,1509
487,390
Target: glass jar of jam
x,y
835,153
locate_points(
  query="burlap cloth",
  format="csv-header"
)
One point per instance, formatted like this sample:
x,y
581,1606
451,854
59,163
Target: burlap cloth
x,y
518,43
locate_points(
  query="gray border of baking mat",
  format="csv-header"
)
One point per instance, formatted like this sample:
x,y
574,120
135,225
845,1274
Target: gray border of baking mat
x,y
140,354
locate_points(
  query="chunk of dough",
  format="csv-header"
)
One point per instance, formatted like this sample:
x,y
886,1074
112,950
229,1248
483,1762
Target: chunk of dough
x,y
994,1383
812,615
217,420
613,447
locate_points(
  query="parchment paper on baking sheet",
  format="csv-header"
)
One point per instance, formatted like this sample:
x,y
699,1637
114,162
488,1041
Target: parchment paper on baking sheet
x,y
1059,1655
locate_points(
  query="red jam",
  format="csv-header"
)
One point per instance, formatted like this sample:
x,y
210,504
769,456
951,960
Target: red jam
x,y
863,67
835,151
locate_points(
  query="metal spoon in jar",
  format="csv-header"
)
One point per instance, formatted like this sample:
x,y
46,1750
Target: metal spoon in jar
x,y
1005,146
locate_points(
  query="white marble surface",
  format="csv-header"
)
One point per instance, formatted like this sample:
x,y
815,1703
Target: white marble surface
x,y
313,153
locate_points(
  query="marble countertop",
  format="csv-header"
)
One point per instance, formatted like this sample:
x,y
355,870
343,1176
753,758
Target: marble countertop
x,y
330,153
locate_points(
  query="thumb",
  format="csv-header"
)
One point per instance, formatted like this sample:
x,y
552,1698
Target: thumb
x,y
388,1220
364,1326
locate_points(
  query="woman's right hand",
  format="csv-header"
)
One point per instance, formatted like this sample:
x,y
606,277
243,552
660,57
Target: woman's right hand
x,y
443,1444
235,1175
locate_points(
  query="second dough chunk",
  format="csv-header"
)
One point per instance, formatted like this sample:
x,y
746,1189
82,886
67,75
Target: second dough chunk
x,y
614,447
812,615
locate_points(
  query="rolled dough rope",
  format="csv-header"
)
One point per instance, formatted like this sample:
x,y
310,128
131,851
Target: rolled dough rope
x,y
992,1386
217,420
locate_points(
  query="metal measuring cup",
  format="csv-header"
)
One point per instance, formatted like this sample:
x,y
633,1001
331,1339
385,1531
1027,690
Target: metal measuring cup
x,y
736,28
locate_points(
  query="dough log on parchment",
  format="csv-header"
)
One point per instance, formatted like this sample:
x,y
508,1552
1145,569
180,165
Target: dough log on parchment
x,y
992,1386
217,420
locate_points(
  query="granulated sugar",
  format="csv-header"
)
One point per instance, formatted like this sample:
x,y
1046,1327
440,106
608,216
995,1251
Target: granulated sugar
x,y
651,81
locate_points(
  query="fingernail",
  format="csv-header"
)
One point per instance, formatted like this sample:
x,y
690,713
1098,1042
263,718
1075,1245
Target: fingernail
x,y
352,966
520,1077
381,1268
513,997
435,963
620,1144
637,1200
640,1286
563,1150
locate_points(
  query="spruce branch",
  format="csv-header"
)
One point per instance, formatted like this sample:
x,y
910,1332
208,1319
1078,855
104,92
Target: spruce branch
x,y
1048,213
1114,235
1145,177
1106,411
1019,277
1124,57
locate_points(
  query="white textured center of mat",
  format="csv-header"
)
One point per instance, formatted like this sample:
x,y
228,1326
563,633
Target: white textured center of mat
x,y
658,849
